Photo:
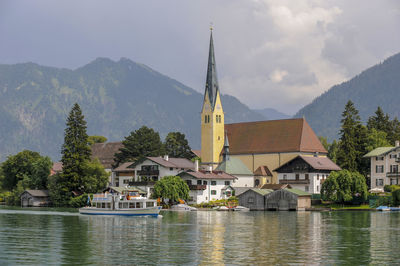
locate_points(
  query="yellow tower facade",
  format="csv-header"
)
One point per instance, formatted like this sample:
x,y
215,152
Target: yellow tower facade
x,y
212,116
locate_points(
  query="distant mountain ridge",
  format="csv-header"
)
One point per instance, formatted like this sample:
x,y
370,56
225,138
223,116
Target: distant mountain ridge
x,y
115,97
376,86
272,114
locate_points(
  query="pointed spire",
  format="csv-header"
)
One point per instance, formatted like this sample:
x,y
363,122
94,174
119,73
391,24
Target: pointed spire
x,y
212,87
226,148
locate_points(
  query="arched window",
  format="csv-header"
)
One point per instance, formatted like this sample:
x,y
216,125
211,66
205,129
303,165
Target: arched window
x,y
205,119
257,183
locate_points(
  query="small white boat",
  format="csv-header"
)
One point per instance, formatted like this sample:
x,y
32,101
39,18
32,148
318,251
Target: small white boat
x,y
129,203
236,208
241,209
182,207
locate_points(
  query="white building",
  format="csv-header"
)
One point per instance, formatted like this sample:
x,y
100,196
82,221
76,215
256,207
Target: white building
x,y
207,186
145,172
385,164
306,173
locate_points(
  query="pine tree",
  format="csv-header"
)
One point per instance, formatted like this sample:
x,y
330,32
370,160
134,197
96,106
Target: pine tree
x,y
75,151
347,153
380,121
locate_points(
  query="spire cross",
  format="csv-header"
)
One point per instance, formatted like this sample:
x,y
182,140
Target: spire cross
x,y
211,26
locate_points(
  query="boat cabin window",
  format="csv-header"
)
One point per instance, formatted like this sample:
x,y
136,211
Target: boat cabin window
x,y
103,205
125,205
138,205
150,204
108,205
131,205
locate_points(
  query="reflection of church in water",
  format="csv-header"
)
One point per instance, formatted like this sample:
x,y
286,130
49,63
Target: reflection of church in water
x,y
262,146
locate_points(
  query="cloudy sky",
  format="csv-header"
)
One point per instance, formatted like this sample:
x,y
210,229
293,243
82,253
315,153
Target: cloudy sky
x,y
278,54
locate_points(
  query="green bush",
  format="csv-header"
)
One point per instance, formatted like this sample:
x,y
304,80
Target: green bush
x,y
390,188
79,201
396,197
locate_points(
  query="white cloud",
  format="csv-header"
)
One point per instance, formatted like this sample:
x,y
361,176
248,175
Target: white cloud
x,y
277,75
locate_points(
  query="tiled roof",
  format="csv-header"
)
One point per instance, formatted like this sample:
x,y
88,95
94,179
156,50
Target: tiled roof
x,y
124,167
208,175
287,135
38,192
262,192
298,192
262,170
56,168
378,151
318,163
105,152
173,162
275,186
197,153
234,166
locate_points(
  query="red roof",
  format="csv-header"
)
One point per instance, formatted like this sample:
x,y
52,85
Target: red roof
x,y
287,135
105,152
263,170
173,162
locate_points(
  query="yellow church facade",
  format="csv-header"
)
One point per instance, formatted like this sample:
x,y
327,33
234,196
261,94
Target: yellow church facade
x,y
263,143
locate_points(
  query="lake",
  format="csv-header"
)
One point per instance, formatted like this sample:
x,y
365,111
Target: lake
x,y
203,237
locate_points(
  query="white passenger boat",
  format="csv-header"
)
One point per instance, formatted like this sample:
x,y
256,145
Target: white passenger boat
x,y
128,203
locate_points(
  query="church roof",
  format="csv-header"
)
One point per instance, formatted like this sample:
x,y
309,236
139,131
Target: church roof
x,y
234,166
212,88
287,135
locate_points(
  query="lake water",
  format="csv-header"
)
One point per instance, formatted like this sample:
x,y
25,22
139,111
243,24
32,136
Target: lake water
x,y
204,237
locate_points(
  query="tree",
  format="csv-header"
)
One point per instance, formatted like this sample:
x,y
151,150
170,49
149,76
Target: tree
x,y
75,151
343,186
380,121
395,134
177,146
376,138
27,168
324,142
140,143
96,139
332,151
172,188
347,153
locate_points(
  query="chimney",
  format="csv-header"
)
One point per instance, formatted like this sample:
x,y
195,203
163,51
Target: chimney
x,y
196,165
166,157
397,143
210,168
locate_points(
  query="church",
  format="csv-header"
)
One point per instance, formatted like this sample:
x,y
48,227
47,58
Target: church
x,y
258,145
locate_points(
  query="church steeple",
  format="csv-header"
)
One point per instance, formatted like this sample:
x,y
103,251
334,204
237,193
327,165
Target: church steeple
x,y
212,115
212,88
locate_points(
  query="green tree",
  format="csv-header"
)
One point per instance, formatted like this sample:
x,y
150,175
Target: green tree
x,y
324,142
96,139
75,150
333,150
395,133
172,188
380,121
347,152
376,139
343,186
177,146
26,168
140,143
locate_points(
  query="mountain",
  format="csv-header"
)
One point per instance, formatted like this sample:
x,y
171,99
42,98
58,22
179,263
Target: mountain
x,y
116,98
271,114
376,86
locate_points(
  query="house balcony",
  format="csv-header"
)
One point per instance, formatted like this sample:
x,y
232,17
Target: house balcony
x,y
294,181
148,172
197,187
393,174
142,183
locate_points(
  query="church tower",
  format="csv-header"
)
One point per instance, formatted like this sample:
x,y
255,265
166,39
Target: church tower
x,y
212,115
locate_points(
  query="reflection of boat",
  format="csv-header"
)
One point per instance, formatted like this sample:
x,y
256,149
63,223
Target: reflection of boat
x,y
121,201
386,208
182,207
236,208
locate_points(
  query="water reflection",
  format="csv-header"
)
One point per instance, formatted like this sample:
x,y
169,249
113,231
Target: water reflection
x,y
201,238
